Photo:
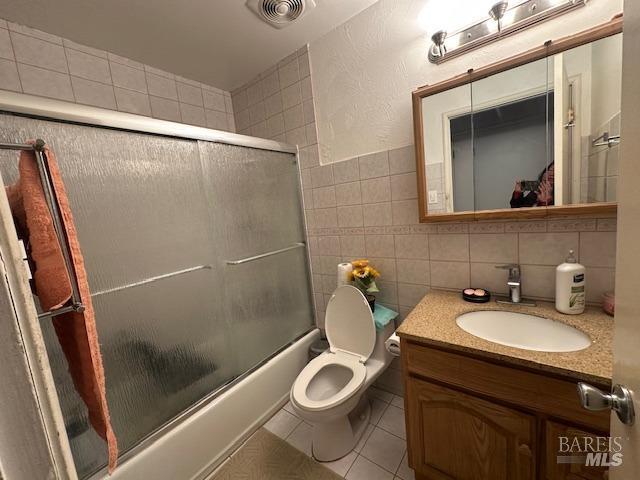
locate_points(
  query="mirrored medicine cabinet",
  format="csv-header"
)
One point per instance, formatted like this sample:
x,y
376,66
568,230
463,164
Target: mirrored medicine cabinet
x,y
535,135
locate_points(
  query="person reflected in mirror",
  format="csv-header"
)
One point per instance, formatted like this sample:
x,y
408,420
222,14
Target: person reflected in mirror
x,y
540,195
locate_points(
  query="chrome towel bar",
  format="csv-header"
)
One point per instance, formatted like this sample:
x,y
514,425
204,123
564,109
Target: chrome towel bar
x,y
56,217
607,140
268,254
152,279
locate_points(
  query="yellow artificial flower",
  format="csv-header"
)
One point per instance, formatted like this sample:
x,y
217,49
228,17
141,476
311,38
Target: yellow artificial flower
x,y
363,272
359,272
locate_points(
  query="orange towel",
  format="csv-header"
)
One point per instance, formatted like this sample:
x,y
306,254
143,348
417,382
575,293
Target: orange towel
x,y
76,332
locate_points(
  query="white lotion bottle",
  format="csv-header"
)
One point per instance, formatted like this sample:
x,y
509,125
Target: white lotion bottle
x,y
570,286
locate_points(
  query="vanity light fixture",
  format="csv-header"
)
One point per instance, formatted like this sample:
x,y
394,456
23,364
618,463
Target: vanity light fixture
x,y
497,12
502,22
438,39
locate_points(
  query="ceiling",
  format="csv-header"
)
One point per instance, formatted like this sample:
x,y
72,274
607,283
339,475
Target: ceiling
x,y
218,42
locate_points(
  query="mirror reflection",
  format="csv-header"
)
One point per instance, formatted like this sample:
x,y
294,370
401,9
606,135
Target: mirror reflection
x,y
540,134
439,112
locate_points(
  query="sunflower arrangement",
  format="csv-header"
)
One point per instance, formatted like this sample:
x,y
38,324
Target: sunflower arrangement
x,y
364,276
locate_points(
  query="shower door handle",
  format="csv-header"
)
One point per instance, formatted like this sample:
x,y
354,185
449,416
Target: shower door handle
x,y
267,254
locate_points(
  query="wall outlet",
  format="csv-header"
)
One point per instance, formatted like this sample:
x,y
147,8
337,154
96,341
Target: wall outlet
x,y
433,196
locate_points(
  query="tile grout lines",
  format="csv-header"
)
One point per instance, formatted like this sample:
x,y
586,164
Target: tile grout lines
x,y
387,400
376,425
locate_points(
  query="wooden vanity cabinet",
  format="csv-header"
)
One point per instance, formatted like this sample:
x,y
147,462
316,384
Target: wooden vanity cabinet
x,y
568,471
468,418
454,435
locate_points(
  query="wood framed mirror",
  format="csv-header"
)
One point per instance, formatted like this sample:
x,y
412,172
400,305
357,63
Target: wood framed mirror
x,y
534,135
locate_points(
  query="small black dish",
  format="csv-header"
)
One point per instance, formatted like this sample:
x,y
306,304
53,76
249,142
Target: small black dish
x,y
476,295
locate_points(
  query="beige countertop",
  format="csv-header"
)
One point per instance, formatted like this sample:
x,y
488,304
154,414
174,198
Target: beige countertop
x,y
433,322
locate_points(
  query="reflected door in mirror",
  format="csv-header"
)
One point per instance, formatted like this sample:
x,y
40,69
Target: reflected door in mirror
x,y
542,133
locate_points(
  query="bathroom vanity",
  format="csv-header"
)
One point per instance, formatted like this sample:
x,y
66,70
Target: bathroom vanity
x,y
480,410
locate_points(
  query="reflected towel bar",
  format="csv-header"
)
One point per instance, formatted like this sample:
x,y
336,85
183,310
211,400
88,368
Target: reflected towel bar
x,y
52,203
268,254
607,140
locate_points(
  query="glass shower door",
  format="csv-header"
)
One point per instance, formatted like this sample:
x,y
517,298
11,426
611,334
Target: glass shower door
x,y
253,197
138,204
158,218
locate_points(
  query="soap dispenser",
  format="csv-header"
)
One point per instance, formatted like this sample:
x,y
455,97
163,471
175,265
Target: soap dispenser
x,y
570,286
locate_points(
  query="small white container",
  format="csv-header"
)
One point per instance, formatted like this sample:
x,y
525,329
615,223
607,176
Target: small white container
x,y
570,286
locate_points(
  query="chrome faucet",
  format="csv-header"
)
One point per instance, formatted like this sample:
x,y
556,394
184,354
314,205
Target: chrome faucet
x,y
514,284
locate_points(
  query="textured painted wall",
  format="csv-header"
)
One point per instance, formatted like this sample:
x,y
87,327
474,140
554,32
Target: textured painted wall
x,y
363,72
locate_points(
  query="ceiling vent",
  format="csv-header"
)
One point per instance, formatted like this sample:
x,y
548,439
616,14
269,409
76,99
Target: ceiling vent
x,y
280,13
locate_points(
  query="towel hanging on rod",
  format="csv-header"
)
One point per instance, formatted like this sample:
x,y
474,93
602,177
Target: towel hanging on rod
x,y
38,147
41,208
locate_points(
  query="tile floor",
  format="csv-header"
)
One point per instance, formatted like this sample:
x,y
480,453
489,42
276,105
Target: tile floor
x,y
381,454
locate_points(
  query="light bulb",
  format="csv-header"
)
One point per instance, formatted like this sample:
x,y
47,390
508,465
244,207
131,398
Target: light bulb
x,y
452,15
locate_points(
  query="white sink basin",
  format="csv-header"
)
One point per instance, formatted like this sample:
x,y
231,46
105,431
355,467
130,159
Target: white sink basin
x,y
523,331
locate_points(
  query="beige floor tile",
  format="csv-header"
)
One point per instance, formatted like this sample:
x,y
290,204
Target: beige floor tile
x,y
375,392
384,449
364,469
289,408
377,409
404,472
300,438
342,465
364,438
282,424
393,421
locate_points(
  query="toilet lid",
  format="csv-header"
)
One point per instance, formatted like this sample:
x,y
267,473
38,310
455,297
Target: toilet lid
x,y
349,323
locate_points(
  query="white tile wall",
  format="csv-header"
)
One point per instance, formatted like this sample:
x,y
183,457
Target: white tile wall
x,y
278,104
93,93
367,206
415,257
38,63
454,256
599,171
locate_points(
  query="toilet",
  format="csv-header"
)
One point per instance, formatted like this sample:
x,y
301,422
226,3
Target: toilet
x,y
329,392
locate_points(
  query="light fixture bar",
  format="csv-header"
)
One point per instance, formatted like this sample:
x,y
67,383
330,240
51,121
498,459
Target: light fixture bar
x,y
501,23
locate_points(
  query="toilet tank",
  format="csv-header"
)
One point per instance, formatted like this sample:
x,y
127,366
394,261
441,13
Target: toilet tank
x,y
380,353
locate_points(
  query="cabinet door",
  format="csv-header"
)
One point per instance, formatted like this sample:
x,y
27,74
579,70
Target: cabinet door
x,y
570,471
455,436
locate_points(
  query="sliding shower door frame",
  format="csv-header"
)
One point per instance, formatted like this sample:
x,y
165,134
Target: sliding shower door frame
x,y
64,112
49,109
33,439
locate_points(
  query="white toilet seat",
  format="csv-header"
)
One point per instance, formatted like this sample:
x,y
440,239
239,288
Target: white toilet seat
x,y
329,391
315,367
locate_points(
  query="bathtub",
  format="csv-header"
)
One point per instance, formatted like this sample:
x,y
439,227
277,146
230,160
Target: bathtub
x,y
196,446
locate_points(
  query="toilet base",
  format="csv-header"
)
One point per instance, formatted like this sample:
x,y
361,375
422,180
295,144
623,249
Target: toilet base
x,y
334,439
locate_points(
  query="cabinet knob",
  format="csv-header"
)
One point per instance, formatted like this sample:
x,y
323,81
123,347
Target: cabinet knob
x,y
524,449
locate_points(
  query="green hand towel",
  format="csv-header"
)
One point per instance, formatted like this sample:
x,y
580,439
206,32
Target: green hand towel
x,y
383,315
